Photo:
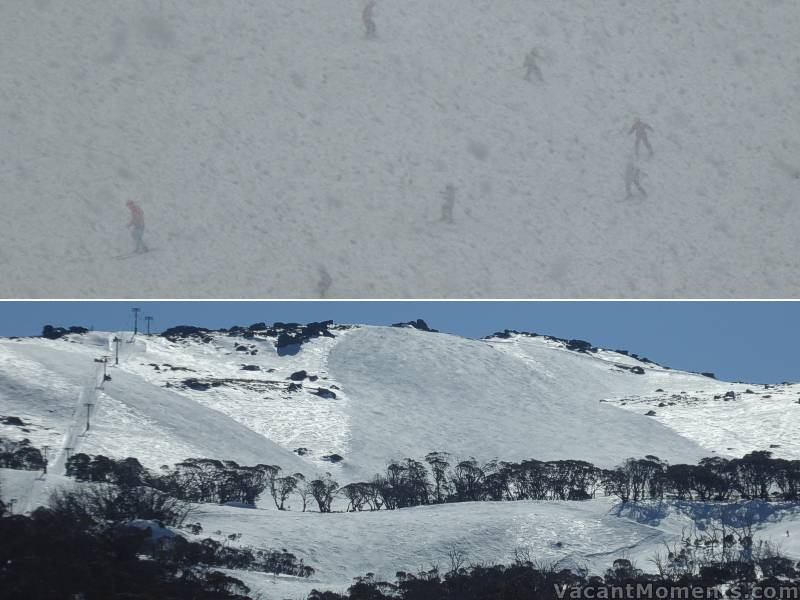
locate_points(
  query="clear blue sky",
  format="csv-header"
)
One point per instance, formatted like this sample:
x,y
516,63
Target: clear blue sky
x,y
748,341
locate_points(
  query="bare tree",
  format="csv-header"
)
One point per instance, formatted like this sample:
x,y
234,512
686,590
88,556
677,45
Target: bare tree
x,y
323,491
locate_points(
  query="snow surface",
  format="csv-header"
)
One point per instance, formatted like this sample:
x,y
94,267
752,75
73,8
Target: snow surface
x,y
279,153
589,534
399,392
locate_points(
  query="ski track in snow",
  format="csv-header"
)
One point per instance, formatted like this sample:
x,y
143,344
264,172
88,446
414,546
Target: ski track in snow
x,y
270,141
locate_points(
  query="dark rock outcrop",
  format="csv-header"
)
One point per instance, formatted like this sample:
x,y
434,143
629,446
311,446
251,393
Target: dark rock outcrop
x,y
418,324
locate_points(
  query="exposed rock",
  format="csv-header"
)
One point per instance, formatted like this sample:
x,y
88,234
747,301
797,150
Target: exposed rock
x,y
53,333
251,368
178,332
334,458
418,324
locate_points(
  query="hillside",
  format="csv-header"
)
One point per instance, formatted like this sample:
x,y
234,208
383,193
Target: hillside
x,y
372,394
276,146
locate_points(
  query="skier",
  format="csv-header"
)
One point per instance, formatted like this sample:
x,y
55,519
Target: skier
x,y
641,128
532,67
449,203
368,19
632,177
325,281
137,222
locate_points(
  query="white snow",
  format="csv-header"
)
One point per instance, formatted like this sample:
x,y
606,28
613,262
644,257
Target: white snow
x,y
590,534
271,145
400,393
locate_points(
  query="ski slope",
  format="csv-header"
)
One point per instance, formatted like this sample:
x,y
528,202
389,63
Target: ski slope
x,y
399,392
589,535
374,394
279,153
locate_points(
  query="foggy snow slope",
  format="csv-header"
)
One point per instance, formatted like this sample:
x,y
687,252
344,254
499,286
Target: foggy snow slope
x,y
271,146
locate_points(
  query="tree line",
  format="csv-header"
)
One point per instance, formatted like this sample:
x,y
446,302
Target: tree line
x,y
440,479
20,455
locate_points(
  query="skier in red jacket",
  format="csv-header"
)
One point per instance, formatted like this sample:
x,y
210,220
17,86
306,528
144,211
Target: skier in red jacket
x,y
137,222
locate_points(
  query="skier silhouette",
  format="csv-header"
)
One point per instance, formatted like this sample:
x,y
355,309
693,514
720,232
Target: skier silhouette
x,y
532,67
324,283
641,128
367,17
632,177
137,222
449,203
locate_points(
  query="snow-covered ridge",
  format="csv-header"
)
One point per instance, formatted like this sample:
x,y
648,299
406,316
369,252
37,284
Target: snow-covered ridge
x,y
371,394
394,392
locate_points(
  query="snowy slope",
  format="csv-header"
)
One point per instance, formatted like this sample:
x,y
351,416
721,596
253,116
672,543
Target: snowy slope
x,y
270,144
399,392
589,534
373,394
416,392
130,417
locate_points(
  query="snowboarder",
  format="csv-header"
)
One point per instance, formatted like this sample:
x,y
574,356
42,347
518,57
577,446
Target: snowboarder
x,y
449,203
532,67
367,17
641,128
137,222
632,177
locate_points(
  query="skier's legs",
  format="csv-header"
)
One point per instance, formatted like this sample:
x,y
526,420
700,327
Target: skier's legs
x,y
637,182
138,234
647,144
